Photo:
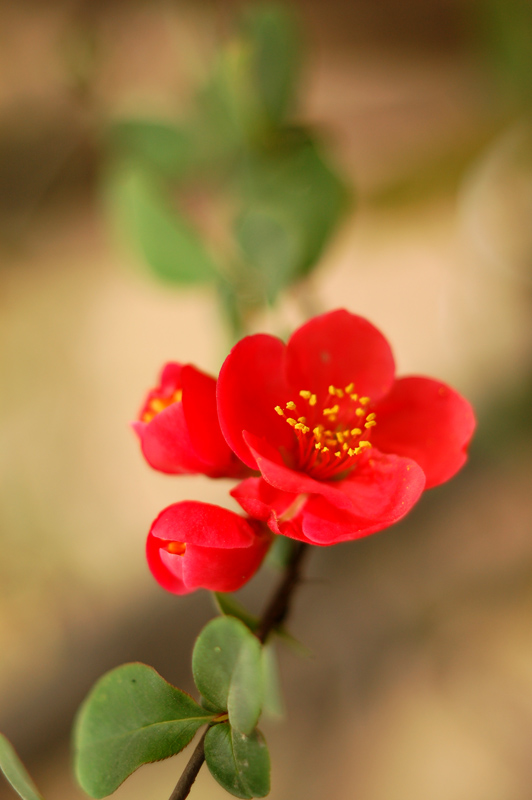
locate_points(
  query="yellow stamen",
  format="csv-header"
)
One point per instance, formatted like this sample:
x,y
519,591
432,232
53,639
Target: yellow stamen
x,y
364,444
345,446
177,548
359,412
325,450
291,405
327,412
157,404
318,445
370,424
279,411
351,452
304,419
312,400
300,427
349,388
354,397
318,430
291,422
364,400
371,416
338,453
305,394
356,432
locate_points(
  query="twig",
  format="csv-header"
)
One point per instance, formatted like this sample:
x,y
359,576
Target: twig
x,y
274,614
184,784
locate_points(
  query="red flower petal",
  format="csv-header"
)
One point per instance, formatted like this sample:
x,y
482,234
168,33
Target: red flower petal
x,y
199,407
259,499
339,348
202,524
251,383
223,570
381,494
427,421
167,573
166,443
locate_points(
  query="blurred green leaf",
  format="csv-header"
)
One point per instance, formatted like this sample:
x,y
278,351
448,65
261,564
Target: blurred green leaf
x,y
240,763
131,717
15,772
227,668
291,204
506,26
272,32
228,605
273,697
155,143
165,240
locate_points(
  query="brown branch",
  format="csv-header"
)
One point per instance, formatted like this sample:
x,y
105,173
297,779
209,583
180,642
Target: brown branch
x,y
190,773
274,614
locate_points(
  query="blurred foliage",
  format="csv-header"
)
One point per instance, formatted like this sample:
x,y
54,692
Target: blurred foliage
x,y
235,193
505,27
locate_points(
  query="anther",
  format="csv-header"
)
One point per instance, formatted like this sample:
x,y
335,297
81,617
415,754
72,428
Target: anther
x,y
364,400
177,548
351,452
329,411
291,405
349,388
359,412
356,432
305,394
370,424
279,411
338,454
304,419
291,422
312,400
371,416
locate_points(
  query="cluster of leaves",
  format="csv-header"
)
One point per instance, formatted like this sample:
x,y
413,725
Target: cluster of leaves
x,y
234,194
132,716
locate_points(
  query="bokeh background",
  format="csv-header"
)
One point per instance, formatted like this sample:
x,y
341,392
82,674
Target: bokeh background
x,y
419,686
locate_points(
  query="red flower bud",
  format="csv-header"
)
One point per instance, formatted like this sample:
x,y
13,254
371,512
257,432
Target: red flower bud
x,y
195,545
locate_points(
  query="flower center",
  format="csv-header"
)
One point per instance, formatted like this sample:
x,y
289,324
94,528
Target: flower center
x,y
158,403
176,548
329,434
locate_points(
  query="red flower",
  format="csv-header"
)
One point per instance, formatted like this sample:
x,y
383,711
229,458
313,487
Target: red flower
x,y
196,545
178,426
343,448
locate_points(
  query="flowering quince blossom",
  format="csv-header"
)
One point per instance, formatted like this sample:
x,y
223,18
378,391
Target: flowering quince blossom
x,y
344,449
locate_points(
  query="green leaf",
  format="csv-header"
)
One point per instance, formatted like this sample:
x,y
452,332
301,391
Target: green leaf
x,y
230,607
131,717
272,32
227,668
158,144
291,203
240,763
15,772
167,243
273,698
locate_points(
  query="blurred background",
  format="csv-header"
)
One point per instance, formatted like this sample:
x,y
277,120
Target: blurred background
x,y
174,174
